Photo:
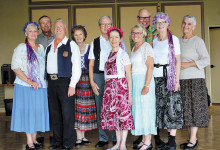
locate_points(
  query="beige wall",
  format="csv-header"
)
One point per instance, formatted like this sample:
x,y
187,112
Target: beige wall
x,y
14,13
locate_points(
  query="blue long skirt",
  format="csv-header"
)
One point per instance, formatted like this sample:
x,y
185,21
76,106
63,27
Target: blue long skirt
x,y
30,110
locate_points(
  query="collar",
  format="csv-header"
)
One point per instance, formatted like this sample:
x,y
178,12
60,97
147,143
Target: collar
x,y
64,41
102,38
52,35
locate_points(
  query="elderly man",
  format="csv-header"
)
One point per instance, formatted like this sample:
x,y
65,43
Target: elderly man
x,y
143,18
63,70
46,37
99,51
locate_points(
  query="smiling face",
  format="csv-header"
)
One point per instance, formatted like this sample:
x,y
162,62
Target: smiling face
x,y
31,32
137,35
105,24
114,39
187,26
45,25
79,36
144,18
161,25
59,30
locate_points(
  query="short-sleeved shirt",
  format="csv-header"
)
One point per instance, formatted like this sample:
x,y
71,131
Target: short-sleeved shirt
x,y
161,51
43,40
138,58
19,60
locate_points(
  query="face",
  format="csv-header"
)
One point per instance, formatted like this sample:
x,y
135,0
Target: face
x,y
161,25
45,24
79,36
114,39
59,30
137,35
105,25
31,33
187,26
144,18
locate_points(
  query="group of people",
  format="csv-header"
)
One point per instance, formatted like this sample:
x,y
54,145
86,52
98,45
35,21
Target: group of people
x,y
161,85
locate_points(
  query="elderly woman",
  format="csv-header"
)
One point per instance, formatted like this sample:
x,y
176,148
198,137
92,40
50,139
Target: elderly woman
x,y
117,100
194,58
143,108
166,72
30,103
85,110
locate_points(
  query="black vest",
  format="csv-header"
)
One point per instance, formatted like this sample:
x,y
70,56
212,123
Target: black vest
x,y
64,62
96,51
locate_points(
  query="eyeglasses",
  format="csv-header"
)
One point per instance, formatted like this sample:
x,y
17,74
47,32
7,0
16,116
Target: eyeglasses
x,y
160,23
105,24
144,18
138,33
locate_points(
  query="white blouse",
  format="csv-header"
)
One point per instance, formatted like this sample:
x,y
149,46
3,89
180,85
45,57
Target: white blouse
x,y
19,60
138,58
122,60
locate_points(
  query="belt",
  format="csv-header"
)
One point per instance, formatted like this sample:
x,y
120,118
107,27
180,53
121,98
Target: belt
x,y
55,77
164,70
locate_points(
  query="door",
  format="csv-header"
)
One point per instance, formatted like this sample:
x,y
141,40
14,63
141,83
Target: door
x,y
215,63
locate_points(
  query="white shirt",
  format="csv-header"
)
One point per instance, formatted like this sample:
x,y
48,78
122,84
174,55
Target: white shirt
x,y
122,60
52,67
105,51
139,58
161,51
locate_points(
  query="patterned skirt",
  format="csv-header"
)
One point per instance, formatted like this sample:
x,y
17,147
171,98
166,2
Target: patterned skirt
x,y
168,106
85,109
116,110
195,102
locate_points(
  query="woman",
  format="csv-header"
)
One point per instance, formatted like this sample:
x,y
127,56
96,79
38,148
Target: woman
x,y
116,111
194,58
30,103
85,110
166,72
143,108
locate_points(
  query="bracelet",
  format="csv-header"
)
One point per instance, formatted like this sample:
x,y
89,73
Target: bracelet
x,y
148,86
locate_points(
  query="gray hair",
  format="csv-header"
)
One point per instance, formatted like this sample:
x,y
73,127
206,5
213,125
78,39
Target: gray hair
x,y
142,10
105,17
139,26
190,17
59,19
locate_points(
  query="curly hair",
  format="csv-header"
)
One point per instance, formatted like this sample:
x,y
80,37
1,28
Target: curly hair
x,y
78,27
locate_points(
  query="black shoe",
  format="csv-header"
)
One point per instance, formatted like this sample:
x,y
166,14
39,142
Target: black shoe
x,y
40,139
114,142
101,144
65,148
149,147
137,146
39,145
86,141
183,145
158,141
30,148
138,140
167,147
54,146
78,143
191,147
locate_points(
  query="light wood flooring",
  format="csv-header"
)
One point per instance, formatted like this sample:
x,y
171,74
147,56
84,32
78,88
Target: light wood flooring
x,y
209,138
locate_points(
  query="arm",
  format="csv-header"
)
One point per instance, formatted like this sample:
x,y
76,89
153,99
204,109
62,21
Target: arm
x,y
76,68
150,68
178,65
129,80
91,77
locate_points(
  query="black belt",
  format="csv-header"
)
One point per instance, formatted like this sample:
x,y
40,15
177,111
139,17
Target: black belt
x,y
164,70
55,77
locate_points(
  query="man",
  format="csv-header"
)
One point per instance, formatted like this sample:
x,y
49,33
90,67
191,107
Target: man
x,y
63,68
99,51
143,18
46,37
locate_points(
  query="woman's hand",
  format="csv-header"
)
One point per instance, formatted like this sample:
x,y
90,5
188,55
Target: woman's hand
x,y
145,90
130,99
177,87
33,84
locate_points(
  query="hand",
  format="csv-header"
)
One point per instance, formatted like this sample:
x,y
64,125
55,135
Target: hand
x,y
130,99
33,84
95,88
177,87
145,90
184,65
71,91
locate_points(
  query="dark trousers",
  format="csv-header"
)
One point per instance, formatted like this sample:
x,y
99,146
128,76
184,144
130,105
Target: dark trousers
x,y
61,112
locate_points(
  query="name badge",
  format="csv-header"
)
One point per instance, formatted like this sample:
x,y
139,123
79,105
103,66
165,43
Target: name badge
x,y
65,54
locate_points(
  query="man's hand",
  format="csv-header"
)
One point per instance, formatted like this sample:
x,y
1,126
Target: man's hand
x,y
95,88
71,91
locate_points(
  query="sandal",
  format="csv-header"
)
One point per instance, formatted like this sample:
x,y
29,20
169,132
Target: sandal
x,y
191,147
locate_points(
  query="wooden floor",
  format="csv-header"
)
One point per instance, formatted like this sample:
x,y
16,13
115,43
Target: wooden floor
x,y
209,138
